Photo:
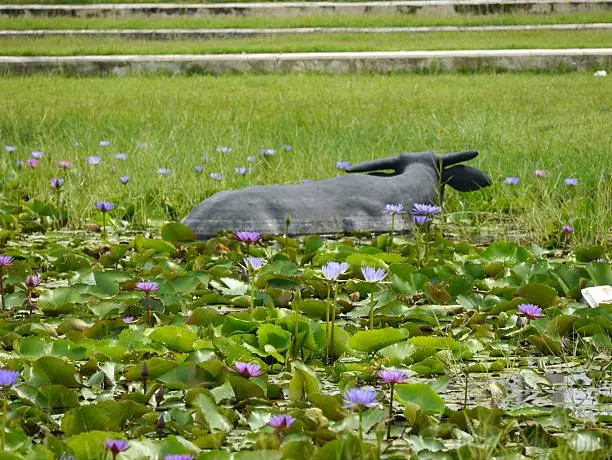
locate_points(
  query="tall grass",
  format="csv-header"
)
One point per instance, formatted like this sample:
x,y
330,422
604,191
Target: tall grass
x,y
519,122
336,20
71,46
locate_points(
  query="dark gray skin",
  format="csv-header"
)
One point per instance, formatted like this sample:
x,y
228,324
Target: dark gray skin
x,y
344,204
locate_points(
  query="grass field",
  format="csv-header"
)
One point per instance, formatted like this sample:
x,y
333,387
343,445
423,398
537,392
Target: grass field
x,y
297,21
60,46
519,123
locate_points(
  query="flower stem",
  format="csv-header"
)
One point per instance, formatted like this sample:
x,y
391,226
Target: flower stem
x,y
390,413
103,223
361,434
4,414
148,305
2,290
426,242
390,245
372,309
327,324
333,323
252,287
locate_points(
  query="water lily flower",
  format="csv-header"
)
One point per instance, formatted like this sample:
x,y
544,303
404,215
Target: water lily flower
x,y
179,457
253,263
571,181
32,162
94,160
343,165
124,179
248,370
333,270
56,183
199,168
540,173
268,152
10,148
121,156
116,446
224,149
511,180
216,176
426,209
37,154
360,398
568,229
392,376
242,170
147,286
64,164
104,143
251,158
164,171
281,422
105,206
373,275
394,208
32,281
8,377
129,319
161,423
530,311
248,237
420,219
6,261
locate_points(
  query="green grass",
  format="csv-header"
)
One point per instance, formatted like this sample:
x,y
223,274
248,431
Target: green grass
x,y
396,20
519,122
74,46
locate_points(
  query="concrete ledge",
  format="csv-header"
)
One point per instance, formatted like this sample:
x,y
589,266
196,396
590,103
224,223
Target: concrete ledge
x,y
416,7
205,34
335,63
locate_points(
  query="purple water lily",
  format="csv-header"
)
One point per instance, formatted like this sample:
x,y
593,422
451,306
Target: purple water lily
x,y
360,398
332,270
511,180
343,165
129,319
253,263
216,176
425,209
116,446
124,179
249,237
571,181
530,311
248,370
6,261
281,422
64,164
8,377
121,156
37,154
32,163
105,206
568,229
198,168
56,183
392,376
32,282
420,219
242,170
147,286
104,143
94,160
393,209
373,275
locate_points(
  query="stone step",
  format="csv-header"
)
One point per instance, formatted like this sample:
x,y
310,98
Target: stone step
x,y
416,7
335,63
171,34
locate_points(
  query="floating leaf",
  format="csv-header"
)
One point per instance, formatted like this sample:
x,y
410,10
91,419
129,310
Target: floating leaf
x,y
303,383
374,340
175,231
174,337
422,395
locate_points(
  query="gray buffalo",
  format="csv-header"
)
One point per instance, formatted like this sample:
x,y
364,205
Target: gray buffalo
x,y
344,204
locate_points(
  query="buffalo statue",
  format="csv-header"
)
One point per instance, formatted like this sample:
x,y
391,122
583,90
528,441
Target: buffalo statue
x,y
344,204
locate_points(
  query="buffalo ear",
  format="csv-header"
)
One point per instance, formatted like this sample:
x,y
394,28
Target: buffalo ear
x,y
465,178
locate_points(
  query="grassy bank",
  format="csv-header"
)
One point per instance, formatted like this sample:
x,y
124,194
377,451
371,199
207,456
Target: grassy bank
x,y
74,46
520,123
296,21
